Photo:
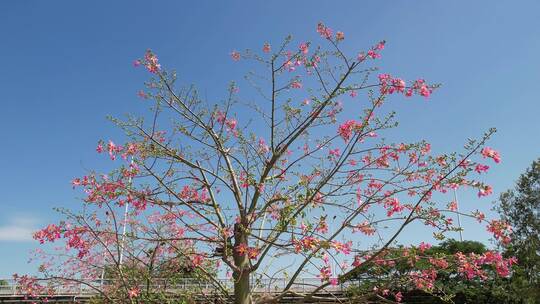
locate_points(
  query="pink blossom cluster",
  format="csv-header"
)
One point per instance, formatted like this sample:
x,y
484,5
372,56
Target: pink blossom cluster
x,y
107,190
114,149
423,247
346,129
392,206
134,292
197,260
266,47
262,146
235,55
373,53
243,249
50,233
322,227
73,236
485,190
307,243
365,228
292,61
30,286
424,279
229,123
304,48
296,84
324,31
390,85
76,241
150,61
335,153
471,266
325,272
480,168
490,153
386,292
439,263
340,247
501,230
189,193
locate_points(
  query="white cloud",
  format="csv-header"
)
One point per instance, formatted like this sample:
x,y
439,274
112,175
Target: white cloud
x,y
18,229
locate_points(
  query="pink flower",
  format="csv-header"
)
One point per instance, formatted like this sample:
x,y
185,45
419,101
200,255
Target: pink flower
x,y
380,46
501,230
424,91
425,149
353,94
253,253
113,149
488,152
304,48
197,260
340,36
344,248
266,48
479,216
296,84
485,191
136,63
242,249
424,246
390,85
231,123
235,55
346,129
325,273
324,31
481,168
322,227
373,55
134,292
151,62
335,152
392,205
398,296
49,233
263,147
99,148
142,94
365,228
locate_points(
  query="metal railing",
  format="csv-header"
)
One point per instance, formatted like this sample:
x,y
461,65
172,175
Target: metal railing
x,y
88,287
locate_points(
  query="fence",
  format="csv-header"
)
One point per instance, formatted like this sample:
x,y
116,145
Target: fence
x,y
88,287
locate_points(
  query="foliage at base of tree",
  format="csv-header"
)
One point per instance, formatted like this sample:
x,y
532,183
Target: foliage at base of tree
x,y
450,286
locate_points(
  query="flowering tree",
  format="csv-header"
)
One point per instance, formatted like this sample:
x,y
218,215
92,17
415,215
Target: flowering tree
x,y
302,186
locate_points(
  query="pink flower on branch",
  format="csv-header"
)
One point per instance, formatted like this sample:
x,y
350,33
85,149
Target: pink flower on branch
x,y
490,153
485,190
134,292
346,129
324,31
266,48
235,55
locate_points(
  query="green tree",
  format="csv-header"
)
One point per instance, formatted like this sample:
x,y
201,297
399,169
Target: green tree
x,y
451,285
451,246
521,208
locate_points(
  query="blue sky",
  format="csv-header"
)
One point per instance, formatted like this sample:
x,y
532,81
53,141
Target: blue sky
x,y
66,65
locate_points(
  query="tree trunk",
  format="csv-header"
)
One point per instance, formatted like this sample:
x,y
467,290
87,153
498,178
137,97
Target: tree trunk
x,y
242,289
